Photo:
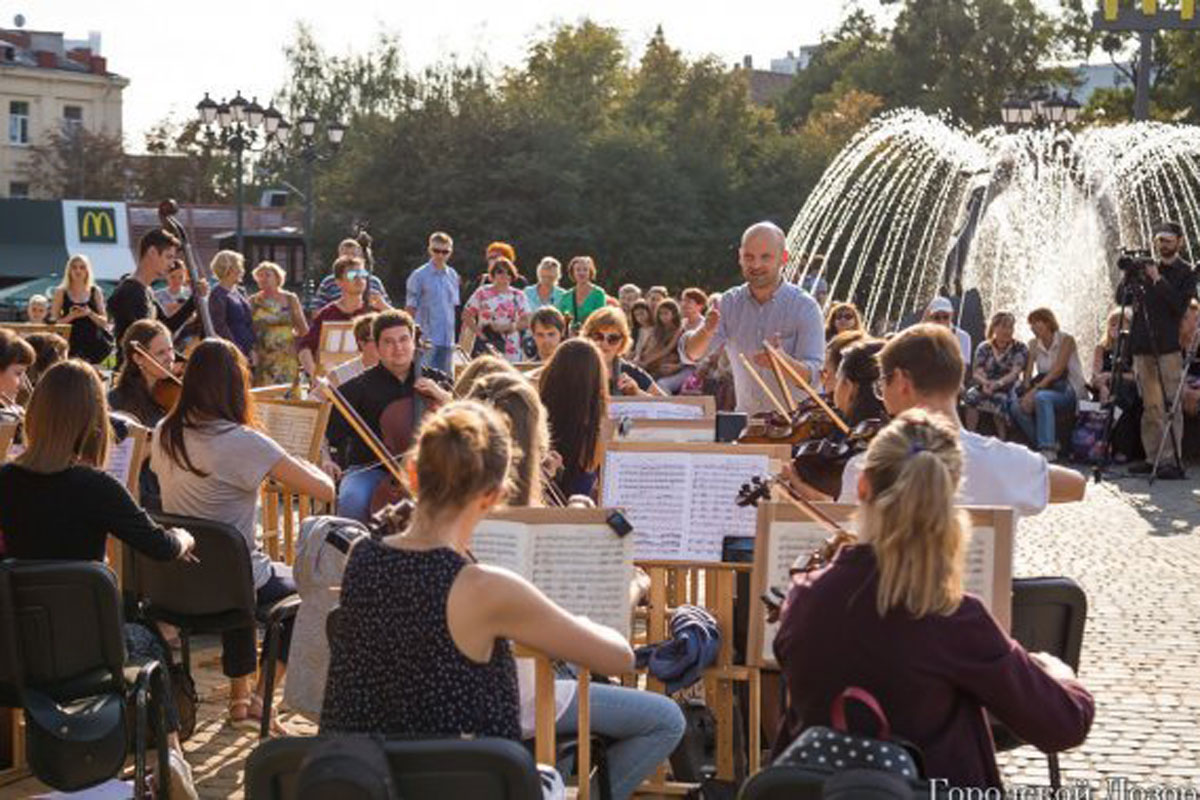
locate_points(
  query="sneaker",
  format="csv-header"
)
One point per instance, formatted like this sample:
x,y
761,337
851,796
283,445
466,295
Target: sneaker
x,y
1169,472
1140,468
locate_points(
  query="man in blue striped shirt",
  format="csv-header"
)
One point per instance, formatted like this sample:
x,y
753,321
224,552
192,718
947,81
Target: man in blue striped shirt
x,y
765,307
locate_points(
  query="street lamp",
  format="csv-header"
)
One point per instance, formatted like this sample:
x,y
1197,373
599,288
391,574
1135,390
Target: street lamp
x,y
311,149
240,123
1039,109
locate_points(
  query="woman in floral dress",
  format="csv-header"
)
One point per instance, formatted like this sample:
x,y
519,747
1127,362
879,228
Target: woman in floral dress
x,y
497,312
278,321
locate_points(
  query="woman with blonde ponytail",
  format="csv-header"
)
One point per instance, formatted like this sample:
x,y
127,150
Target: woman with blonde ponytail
x,y
890,615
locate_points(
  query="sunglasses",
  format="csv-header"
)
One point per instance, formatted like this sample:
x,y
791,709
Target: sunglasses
x,y
844,315
354,274
441,251
613,339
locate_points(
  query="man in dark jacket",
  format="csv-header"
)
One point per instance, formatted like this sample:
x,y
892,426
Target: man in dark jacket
x,y
1165,288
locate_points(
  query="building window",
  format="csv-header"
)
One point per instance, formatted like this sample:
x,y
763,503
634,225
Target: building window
x,y
72,118
18,190
18,122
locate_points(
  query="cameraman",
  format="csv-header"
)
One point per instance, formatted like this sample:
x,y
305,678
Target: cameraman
x,y
1163,290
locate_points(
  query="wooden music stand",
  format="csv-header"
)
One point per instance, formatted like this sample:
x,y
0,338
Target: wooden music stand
x,y
702,430
8,432
26,328
337,344
298,426
125,461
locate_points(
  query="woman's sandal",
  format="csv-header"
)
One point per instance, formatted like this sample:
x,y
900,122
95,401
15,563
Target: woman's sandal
x,y
277,728
245,722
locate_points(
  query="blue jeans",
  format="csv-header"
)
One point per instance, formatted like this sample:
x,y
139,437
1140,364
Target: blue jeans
x,y
1046,402
354,494
645,727
442,358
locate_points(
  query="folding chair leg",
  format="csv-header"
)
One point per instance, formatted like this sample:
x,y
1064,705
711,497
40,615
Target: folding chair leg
x,y
141,689
274,634
185,651
1055,775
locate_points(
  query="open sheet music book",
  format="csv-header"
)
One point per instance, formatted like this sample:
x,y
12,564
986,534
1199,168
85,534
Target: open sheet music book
x,y
125,457
785,534
296,425
571,554
682,407
679,497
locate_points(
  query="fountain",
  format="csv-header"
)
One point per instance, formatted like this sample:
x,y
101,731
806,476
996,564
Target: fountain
x,y
915,206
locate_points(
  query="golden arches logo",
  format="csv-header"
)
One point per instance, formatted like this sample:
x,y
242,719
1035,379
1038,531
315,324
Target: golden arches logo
x,y
97,225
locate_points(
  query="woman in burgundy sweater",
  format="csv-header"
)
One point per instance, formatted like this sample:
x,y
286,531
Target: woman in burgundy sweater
x,y
890,615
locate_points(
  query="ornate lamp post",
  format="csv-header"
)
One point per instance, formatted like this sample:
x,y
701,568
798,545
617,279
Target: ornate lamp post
x,y
1039,109
312,150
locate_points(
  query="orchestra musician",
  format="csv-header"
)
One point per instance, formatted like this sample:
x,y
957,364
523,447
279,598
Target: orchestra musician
x,y
389,397
16,357
133,300
137,391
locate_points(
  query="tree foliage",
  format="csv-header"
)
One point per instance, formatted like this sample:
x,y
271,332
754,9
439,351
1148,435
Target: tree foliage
x,y
77,163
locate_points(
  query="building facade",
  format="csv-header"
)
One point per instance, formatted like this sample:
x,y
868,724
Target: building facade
x,y
49,83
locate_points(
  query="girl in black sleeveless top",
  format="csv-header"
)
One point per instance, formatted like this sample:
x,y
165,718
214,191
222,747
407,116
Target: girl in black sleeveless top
x,y
90,337
422,649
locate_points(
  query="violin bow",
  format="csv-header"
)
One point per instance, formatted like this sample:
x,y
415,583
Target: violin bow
x,y
163,372
777,358
364,432
763,385
783,387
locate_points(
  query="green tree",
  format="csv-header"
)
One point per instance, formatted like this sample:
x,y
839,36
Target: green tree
x,y
73,162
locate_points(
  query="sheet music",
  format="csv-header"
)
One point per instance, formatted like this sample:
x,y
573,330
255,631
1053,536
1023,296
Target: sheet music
x,y
120,456
504,544
586,569
349,345
979,575
681,505
292,427
653,410
698,433
788,541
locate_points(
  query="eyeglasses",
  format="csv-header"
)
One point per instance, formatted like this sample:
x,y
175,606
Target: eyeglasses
x,y
355,274
613,339
882,383
849,315
441,251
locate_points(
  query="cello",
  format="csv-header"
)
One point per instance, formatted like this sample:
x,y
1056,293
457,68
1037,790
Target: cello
x,y
168,217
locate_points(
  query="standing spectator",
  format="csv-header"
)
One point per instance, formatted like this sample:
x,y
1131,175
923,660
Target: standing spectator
x,y
1058,383
37,310
546,292
232,317
641,322
586,297
999,363
172,296
842,317
627,295
609,329
352,282
548,327
330,291
497,313
661,356
941,312
1166,288
764,307
572,389
432,296
132,299
654,296
79,302
278,322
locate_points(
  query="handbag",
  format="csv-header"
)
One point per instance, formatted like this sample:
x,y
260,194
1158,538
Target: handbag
x,y
828,750
75,746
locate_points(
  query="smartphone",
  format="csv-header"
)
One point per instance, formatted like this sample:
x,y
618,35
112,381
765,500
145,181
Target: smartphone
x,y
616,520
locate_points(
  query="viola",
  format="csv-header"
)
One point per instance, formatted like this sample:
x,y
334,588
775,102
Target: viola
x,y
168,387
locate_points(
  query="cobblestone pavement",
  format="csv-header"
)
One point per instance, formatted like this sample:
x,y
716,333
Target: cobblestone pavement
x,y
1135,551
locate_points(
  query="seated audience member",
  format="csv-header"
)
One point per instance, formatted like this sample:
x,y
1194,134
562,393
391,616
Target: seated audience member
x,y
548,327
572,388
424,647
654,296
920,368
999,363
386,398
890,615
941,312
842,317
1057,384
641,326
627,295
609,329
643,727
56,503
661,355
16,357
48,349
1103,372
833,357
693,303
37,310
210,463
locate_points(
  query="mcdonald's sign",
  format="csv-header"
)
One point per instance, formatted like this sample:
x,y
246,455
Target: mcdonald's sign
x,y
97,224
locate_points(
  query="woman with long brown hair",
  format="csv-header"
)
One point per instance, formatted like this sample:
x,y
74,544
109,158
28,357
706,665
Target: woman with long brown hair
x,y
211,461
134,390
572,388
661,356
57,503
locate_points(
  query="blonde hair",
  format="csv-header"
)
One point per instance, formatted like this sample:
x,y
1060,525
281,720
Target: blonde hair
x,y
479,368
591,262
913,467
462,451
67,420
1107,342
272,267
608,317
66,278
998,319
514,397
224,262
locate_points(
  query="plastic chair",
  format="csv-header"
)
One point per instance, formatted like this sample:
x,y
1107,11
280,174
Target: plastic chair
x,y
481,769
212,596
62,635
1048,615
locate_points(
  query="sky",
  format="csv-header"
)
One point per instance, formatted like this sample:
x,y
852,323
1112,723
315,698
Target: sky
x,y
173,53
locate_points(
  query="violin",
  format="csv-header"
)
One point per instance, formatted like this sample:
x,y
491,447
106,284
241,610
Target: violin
x,y
821,462
788,423
168,387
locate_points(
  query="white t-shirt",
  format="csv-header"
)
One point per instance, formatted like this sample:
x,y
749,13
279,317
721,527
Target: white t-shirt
x,y
995,473
236,459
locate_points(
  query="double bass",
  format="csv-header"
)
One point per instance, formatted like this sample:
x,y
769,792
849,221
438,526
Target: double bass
x,y
168,211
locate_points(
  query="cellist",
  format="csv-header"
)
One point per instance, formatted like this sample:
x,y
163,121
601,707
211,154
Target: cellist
x,y
390,397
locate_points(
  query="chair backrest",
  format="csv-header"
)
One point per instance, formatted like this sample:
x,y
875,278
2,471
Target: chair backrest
x,y
65,619
333,623
220,583
1049,615
482,769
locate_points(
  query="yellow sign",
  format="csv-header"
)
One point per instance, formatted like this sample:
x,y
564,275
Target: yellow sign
x,y
1110,9
1149,7
1187,9
97,224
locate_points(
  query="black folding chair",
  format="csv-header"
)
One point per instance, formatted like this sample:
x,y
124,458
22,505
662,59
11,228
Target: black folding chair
x,y
62,636
1049,616
481,769
212,596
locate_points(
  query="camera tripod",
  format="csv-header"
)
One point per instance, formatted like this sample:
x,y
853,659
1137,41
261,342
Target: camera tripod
x,y
1174,407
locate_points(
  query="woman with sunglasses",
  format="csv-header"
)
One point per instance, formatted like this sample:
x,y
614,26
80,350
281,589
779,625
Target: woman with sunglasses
x,y
841,318
497,313
609,329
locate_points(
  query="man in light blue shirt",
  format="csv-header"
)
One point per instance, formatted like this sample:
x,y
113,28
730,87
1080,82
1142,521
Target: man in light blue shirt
x,y
763,308
432,295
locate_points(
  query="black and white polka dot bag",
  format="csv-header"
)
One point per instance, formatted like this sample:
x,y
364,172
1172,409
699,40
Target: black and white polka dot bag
x,y
833,749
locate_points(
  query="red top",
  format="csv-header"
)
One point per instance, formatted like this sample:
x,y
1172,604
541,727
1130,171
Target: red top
x,y
328,313
933,675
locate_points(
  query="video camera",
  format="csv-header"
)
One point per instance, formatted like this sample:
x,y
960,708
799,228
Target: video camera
x,y
1134,262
